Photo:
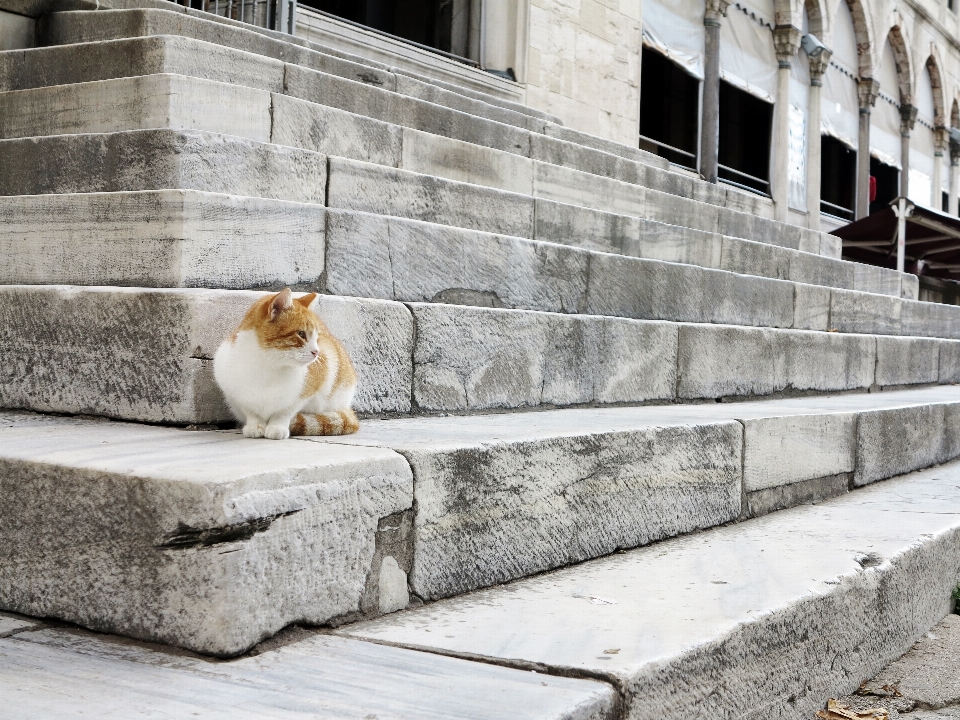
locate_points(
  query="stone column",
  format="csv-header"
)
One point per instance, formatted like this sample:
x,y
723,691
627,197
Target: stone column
x,y
818,66
786,43
954,175
908,118
867,91
939,145
710,129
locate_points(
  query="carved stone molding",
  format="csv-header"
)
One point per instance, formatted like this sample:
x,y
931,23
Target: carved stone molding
x,y
818,66
908,118
867,91
786,42
715,10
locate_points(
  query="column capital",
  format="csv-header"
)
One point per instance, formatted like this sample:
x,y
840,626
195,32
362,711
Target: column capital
x,y
818,66
867,91
908,118
715,10
941,138
786,43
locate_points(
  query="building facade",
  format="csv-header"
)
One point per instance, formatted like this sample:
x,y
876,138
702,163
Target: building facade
x,y
829,108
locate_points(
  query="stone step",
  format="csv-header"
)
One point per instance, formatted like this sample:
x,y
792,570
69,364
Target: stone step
x,y
162,159
457,503
128,43
84,353
226,40
763,619
188,238
318,677
364,122
197,539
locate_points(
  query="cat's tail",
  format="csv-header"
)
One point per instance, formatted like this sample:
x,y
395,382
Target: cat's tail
x,y
341,422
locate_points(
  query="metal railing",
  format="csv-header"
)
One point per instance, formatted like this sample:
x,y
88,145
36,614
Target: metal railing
x,y
837,211
764,185
672,151
270,14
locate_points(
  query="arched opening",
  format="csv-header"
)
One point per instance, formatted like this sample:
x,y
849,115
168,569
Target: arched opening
x,y
885,121
923,145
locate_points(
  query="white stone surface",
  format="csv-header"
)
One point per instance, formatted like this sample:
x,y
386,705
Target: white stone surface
x,y
466,162
763,609
162,238
85,354
783,450
71,674
152,101
204,540
10,624
393,594
503,496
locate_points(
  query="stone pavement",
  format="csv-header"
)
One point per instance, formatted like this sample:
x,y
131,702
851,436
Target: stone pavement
x,y
922,685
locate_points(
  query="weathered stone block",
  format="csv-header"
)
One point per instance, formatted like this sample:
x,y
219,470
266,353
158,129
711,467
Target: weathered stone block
x,y
811,309
583,227
872,279
84,352
907,360
298,123
650,289
566,185
676,210
160,239
386,191
830,246
489,513
805,492
159,160
817,270
909,286
477,358
204,540
153,101
466,162
673,243
131,57
396,259
369,101
860,312
755,258
790,449
719,361
949,365
901,439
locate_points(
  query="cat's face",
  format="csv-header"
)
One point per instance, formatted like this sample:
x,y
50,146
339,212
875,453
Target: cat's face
x,y
289,327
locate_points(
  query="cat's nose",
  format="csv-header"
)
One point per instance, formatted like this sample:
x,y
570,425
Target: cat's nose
x,y
314,352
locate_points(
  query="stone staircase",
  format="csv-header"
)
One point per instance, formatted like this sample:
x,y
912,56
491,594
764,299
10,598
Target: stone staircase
x,y
160,169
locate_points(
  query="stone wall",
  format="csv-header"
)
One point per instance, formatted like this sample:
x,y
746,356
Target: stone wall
x,y
583,64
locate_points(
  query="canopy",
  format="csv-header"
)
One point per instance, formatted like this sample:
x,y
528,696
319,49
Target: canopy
x,y
675,29
932,241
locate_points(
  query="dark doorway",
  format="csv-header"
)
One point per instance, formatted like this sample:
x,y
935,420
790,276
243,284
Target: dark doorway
x,y
838,178
669,109
744,151
439,24
888,184
945,202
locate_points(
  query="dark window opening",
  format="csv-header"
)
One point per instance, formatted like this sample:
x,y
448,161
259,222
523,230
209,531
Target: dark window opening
x,y
669,109
888,185
945,202
439,24
952,4
744,150
838,178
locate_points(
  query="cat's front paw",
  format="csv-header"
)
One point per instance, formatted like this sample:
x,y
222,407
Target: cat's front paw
x,y
253,430
277,432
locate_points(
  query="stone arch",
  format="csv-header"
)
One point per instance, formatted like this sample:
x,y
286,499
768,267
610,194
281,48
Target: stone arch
x,y
861,26
816,16
902,59
936,81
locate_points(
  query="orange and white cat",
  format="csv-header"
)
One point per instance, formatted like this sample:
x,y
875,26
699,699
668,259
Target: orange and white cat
x,y
284,374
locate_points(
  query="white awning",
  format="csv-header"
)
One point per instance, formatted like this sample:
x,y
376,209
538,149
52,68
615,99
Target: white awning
x,y
921,164
675,29
840,109
885,142
747,57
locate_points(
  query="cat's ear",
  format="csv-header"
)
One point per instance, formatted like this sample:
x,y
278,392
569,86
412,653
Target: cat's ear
x,y
282,301
310,302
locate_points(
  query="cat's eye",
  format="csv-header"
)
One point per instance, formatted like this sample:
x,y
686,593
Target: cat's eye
x,y
301,334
